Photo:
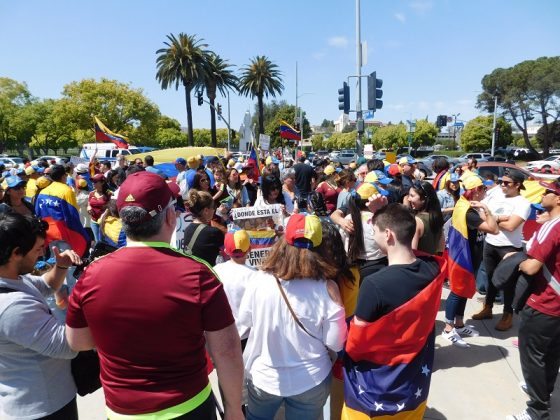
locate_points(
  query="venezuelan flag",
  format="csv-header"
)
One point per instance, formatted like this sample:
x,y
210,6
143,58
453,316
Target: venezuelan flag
x,y
533,192
113,233
254,162
103,134
461,270
57,206
289,132
261,238
388,369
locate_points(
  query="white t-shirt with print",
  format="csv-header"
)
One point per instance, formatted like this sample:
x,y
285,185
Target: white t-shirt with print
x,y
509,206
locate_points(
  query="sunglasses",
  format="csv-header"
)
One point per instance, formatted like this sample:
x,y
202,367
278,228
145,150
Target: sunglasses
x,y
205,180
507,183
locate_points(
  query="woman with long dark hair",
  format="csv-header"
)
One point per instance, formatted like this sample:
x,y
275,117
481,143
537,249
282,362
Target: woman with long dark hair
x,y
272,193
360,246
293,314
423,202
235,189
202,182
97,203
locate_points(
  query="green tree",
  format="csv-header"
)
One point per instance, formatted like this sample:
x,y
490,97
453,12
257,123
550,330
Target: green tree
x,y
52,130
328,125
13,97
121,108
390,137
182,62
424,134
553,134
260,78
527,91
217,76
317,141
477,134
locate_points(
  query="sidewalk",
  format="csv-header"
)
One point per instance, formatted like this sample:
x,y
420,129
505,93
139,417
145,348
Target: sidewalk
x,y
480,382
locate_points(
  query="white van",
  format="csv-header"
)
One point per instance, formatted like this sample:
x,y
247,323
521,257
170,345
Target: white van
x,y
107,151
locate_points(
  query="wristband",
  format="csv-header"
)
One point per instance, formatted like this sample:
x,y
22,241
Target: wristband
x,y
61,267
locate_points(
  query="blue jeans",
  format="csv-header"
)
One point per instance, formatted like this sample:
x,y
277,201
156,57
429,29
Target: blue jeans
x,y
96,229
454,308
481,279
305,406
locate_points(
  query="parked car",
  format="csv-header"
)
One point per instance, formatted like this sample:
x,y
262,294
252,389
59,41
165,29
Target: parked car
x,y
11,161
345,157
551,162
499,168
429,160
480,157
57,159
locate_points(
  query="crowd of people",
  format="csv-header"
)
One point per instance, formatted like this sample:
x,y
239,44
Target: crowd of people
x,y
341,311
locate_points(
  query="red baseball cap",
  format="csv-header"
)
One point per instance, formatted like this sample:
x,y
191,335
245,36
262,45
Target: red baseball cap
x,y
98,178
145,190
551,186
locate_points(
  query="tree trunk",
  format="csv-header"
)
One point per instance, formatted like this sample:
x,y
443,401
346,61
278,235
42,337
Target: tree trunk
x,y
261,115
188,89
523,129
547,140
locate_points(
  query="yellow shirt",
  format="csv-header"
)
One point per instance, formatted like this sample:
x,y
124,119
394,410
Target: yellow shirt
x,y
31,188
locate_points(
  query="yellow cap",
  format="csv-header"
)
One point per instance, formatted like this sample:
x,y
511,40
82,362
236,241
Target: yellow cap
x,y
329,170
472,182
371,177
366,190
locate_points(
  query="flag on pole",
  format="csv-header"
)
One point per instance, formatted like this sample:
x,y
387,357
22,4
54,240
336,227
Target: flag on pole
x,y
104,135
289,132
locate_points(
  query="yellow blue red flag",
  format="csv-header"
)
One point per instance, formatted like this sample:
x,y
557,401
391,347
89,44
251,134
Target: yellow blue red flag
x,y
103,134
56,205
289,132
389,362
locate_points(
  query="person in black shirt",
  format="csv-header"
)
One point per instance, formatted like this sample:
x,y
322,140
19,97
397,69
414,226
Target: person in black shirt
x,y
304,175
479,221
202,240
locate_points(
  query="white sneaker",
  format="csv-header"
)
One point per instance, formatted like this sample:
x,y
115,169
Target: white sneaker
x,y
454,338
467,331
521,416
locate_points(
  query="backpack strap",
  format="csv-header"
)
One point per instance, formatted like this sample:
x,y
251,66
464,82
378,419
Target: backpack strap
x,y
190,245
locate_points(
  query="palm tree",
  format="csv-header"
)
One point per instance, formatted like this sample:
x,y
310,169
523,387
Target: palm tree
x,y
261,77
217,77
182,63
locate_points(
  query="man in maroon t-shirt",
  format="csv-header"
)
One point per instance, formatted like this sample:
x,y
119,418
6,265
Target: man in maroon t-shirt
x,y
149,310
539,332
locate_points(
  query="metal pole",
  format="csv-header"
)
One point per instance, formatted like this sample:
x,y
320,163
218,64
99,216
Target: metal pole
x,y
494,126
229,129
359,72
297,109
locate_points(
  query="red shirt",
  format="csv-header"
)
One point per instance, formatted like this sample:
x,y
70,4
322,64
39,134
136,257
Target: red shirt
x,y
97,204
330,195
545,247
147,309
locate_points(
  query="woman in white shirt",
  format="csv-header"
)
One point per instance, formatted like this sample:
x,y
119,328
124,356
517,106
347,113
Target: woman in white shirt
x,y
272,193
286,357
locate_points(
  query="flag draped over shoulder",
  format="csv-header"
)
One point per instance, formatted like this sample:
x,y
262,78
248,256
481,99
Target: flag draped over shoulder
x,y
103,134
388,369
56,205
289,132
461,271
533,192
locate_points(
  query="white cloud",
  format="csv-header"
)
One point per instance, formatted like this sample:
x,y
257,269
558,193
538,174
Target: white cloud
x,y
439,105
423,105
400,17
421,6
464,102
338,41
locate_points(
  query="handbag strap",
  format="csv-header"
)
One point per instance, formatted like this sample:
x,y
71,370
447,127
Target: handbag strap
x,y
190,245
291,309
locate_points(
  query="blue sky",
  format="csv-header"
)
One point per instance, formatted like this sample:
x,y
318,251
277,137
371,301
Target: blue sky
x,y
431,54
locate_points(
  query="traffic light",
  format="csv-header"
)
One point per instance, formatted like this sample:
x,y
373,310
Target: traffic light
x,y
441,120
219,109
375,93
199,97
344,98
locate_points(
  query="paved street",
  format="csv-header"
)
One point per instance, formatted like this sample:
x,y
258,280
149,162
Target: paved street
x,y
480,382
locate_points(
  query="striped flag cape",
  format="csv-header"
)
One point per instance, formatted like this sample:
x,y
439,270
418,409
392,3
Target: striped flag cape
x,y
388,369
56,205
104,135
289,132
461,271
253,161
113,233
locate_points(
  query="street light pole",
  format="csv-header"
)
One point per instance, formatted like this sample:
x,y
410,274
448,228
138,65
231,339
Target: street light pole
x,y
359,122
455,129
229,119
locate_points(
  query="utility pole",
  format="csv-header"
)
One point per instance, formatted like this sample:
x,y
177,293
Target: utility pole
x,y
229,119
359,120
494,126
